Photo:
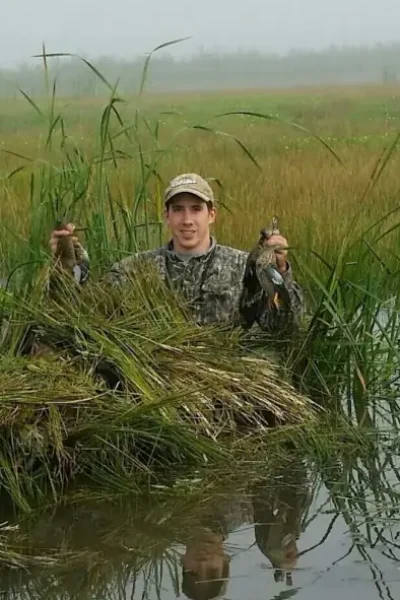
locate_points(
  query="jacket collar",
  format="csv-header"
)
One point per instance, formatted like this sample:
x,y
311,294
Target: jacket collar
x,y
171,254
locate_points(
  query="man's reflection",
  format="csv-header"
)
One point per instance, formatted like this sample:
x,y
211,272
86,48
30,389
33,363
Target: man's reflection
x,y
205,565
279,504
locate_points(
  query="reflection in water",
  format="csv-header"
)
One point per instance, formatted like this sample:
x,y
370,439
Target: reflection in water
x,y
206,561
205,566
276,506
339,525
279,505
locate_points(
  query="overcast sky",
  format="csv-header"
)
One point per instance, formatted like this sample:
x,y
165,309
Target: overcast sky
x,y
129,27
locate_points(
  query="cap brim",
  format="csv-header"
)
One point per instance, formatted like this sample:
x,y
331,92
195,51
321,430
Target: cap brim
x,y
188,190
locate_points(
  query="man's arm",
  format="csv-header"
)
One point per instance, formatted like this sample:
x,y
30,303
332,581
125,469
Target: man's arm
x,y
121,272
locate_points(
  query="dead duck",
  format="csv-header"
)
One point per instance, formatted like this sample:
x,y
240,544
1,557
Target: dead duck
x,y
64,255
70,256
262,278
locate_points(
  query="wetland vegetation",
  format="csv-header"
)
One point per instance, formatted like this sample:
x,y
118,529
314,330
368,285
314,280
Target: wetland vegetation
x,y
325,161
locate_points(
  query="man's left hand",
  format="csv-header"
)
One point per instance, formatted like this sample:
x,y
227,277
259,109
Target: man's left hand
x,y
281,251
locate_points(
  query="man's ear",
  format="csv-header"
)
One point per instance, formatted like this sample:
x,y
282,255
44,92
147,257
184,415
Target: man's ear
x,y
212,213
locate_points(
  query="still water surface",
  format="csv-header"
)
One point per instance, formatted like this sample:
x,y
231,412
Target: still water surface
x,y
295,530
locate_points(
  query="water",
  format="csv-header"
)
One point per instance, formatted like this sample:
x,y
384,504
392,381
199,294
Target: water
x,y
293,530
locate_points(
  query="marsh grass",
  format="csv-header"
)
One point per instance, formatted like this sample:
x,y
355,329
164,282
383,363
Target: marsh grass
x,y
351,344
121,385
344,252
111,178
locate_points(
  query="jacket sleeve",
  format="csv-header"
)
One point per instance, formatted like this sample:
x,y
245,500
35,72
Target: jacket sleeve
x,y
120,272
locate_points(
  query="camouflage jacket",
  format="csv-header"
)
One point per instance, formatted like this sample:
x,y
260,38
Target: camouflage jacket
x,y
212,285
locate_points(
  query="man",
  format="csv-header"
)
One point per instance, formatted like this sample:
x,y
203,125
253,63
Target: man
x,y
208,275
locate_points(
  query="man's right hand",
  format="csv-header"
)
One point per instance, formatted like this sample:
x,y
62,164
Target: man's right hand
x,y
59,233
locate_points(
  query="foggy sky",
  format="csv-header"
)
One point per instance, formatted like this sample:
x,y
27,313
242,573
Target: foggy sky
x,y
125,28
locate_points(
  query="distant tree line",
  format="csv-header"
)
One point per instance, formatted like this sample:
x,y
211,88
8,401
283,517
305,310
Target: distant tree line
x,y
207,71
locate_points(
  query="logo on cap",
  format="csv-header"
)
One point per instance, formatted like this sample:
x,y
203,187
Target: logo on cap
x,y
183,181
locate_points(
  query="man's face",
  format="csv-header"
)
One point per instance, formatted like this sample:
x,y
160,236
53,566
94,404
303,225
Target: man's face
x,y
189,219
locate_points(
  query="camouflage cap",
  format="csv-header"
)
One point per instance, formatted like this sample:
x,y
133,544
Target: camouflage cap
x,y
190,183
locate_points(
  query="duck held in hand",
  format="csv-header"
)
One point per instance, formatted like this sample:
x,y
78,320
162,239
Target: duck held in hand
x,y
262,272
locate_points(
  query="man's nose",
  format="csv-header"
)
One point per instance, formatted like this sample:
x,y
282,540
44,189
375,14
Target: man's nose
x,y
187,216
